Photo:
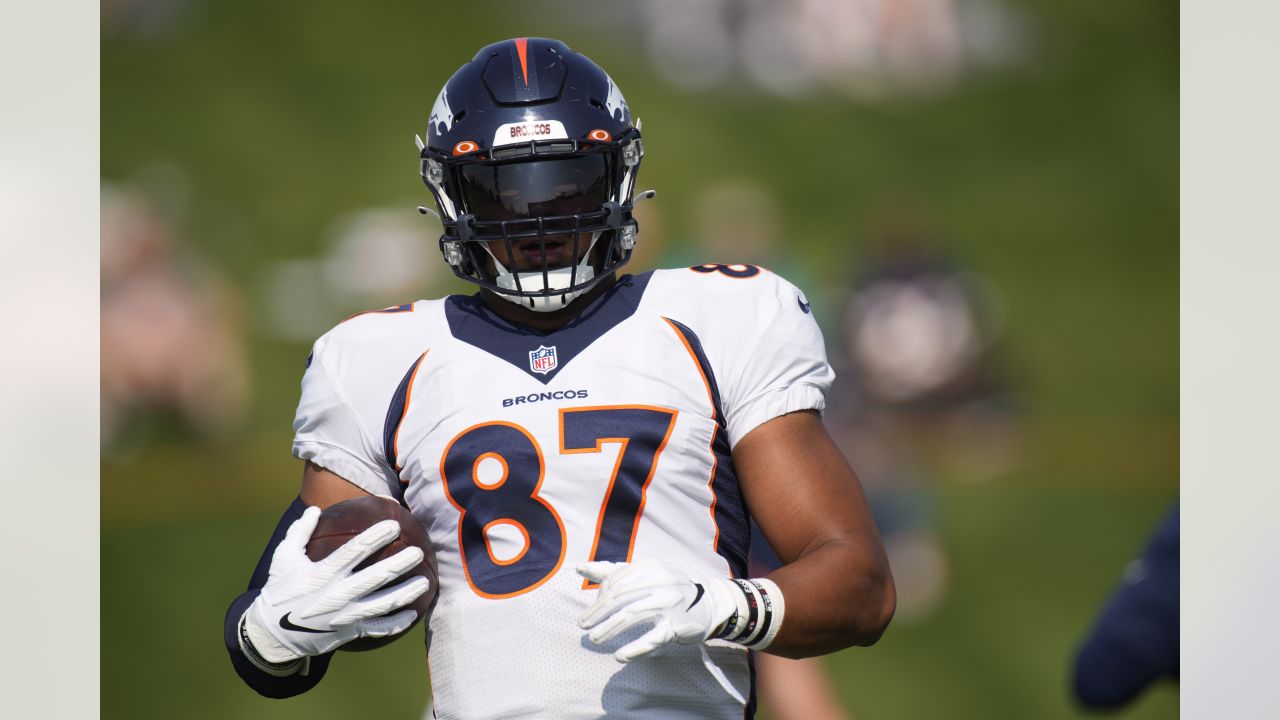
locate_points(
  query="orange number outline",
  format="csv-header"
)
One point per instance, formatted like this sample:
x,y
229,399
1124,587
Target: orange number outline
x,y
533,495
672,414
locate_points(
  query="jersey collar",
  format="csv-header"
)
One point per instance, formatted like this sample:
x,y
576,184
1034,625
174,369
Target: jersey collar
x,y
472,322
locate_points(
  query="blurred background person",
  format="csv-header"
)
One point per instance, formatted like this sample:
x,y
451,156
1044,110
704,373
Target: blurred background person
x,y
372,258
172,346
868,50
922,385
1135,639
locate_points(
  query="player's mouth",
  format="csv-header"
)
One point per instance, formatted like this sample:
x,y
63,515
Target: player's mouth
x,y
559,252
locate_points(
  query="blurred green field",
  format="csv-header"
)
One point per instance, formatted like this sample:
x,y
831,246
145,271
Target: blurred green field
x,y
1057,180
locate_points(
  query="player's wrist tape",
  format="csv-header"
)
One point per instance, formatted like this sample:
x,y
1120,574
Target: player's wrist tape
x,y
280,669
758,617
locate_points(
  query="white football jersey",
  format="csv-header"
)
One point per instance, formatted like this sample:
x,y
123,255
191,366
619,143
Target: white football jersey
x,y
525,454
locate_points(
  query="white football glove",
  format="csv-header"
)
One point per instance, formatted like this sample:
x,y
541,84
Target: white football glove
x,y
688,609
310,608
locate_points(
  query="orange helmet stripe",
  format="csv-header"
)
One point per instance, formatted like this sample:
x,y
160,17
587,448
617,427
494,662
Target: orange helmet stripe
x,y
522,45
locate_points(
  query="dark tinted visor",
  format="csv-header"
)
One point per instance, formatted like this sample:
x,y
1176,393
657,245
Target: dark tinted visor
x,y
564,186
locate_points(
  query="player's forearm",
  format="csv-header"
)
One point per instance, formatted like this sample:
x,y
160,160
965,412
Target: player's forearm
x,y
837,595
264,683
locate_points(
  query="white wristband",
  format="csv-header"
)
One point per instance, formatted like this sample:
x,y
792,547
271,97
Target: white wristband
x,y
772,610
759,615
736,624
284,669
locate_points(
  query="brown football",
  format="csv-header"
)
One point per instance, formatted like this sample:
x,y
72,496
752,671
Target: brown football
x,y
343,521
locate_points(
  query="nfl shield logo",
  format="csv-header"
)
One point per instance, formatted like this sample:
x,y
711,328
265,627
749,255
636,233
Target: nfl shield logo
x,y
542,360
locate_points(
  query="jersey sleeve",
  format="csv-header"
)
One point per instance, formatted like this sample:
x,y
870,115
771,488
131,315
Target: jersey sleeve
x,y
774,358
334,426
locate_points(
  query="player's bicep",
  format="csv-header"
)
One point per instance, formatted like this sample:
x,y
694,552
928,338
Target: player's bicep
x,y
800,489
331,424
322,488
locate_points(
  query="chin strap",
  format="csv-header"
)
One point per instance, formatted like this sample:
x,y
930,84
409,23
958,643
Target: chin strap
x,y
557,279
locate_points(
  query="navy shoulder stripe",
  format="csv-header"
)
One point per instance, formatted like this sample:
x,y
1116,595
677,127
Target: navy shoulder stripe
x,y
395,415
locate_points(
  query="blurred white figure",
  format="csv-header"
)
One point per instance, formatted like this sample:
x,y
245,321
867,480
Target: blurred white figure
x,y
913,336
689,41
297,303
869,48
771,49
380,256
375,258
866,49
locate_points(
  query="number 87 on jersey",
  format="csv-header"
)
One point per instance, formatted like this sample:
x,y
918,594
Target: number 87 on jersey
x,y
493,474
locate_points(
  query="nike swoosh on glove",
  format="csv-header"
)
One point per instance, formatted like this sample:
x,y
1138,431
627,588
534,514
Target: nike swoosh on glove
x,y
686,608
312,607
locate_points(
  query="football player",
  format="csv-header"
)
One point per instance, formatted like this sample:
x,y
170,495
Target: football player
x,y
585,449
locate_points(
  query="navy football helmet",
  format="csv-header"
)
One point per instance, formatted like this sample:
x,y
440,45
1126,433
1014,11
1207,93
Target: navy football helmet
x,y
531,149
